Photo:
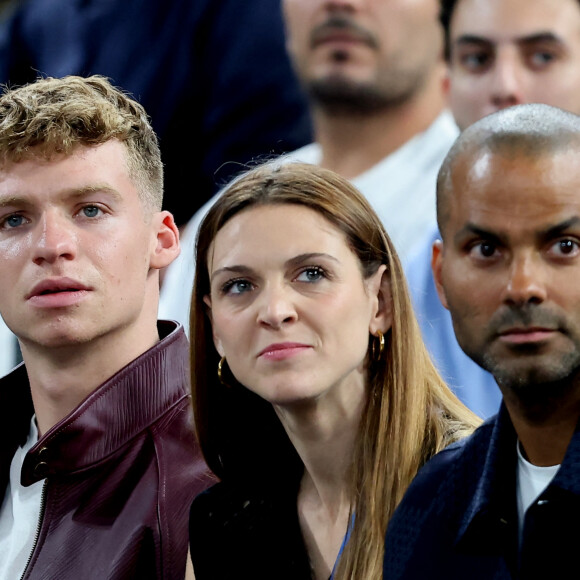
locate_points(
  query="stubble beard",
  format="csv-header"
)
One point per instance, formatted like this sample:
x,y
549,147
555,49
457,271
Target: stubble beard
x,y
339,96
537,387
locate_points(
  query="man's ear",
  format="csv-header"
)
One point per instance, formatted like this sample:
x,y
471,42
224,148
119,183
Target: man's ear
x,y
216,340
437,267
165,245
379,287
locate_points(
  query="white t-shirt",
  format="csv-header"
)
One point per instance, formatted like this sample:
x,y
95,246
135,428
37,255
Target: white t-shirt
x,y
401,189
19,515
531,480
7,349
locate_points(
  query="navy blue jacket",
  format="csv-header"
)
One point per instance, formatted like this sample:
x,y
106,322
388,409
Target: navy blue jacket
x,y
213,75
458,519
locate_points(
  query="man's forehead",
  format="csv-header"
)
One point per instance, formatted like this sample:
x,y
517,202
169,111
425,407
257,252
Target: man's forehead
x,y
521,184
84,171
515,20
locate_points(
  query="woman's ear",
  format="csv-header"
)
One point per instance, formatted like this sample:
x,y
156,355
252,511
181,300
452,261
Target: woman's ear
x,y
380,289
165,243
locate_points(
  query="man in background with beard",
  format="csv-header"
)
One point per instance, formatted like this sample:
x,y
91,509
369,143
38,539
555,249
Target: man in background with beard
x,y
373,74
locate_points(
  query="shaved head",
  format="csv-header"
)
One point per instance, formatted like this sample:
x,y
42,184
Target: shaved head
x,y
531,130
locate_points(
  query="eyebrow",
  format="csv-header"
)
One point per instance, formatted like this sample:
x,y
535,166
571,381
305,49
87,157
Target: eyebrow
x,y
530,39
549,37
291,263
471,229
559,229
68,194
471,39
546,234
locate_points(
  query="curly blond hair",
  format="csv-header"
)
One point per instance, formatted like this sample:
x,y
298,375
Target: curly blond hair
x,y
54,116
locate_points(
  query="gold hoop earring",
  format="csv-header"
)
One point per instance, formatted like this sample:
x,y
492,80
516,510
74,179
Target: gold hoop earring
x,y
377,353
220,371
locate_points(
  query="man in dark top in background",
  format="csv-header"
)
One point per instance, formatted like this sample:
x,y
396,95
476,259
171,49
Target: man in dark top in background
x,y
505,502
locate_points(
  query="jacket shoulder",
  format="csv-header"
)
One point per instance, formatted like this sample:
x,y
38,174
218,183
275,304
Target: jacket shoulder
x,y
457,466
426,522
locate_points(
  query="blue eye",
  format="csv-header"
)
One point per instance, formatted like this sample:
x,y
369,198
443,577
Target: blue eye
x,y
13,221
311,274
91,211
237,287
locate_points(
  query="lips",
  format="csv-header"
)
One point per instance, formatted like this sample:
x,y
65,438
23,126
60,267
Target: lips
x,y
336,36
526,335
56,286
525,330
282,350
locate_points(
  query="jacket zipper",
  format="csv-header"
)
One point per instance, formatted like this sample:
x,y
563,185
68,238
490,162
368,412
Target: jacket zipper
x,y
40,520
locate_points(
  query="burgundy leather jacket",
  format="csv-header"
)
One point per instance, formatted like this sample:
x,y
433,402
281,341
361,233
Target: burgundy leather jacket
x,y
120,471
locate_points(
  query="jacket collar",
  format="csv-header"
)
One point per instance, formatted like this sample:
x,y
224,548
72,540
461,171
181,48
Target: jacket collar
x,y
118,410
490,520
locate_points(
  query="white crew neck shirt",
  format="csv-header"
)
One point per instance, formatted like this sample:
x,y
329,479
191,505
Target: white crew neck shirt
x,y
531,480
19,514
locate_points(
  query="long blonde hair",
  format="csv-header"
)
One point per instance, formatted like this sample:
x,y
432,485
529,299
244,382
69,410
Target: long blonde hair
x,y
410,413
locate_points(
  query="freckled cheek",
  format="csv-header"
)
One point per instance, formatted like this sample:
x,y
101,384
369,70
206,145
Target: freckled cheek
x,y
16,249
14,266
122,264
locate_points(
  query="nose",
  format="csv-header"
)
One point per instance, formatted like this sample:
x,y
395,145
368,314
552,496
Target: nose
x,y
526,283
55,239
506,81
276,307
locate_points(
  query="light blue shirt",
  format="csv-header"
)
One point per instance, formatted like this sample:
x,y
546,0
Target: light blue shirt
x,y
474,386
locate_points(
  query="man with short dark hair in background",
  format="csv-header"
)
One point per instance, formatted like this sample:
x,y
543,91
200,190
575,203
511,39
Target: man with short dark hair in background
x,y
510,52
98,463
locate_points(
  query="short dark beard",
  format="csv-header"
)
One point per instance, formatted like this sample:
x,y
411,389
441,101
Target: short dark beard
x,y
540,390
341,98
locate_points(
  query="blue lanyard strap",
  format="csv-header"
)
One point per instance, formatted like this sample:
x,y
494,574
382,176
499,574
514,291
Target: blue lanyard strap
x,y
344,542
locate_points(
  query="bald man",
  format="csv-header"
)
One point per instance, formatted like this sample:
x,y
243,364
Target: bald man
x,y
499,53
502,503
